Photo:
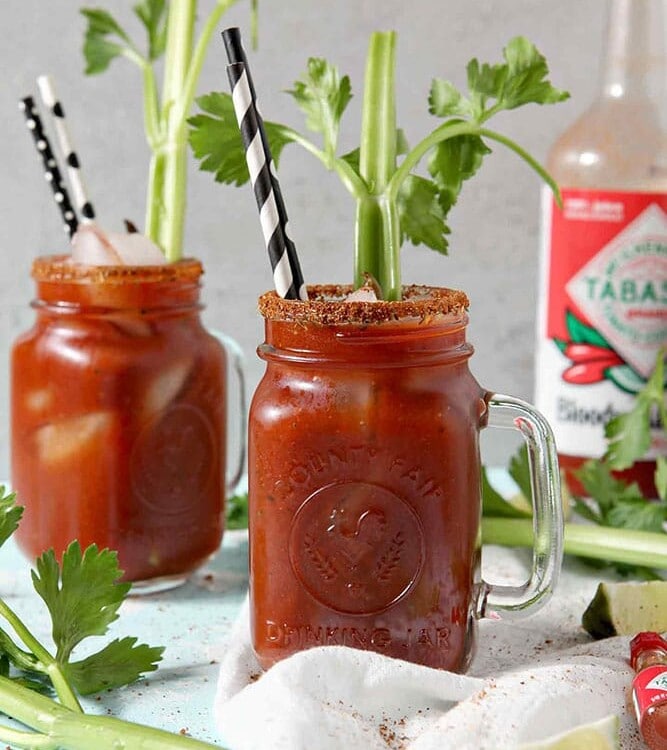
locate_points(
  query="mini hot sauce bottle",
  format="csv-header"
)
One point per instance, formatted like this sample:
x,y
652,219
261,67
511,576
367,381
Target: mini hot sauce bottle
x,y
648,656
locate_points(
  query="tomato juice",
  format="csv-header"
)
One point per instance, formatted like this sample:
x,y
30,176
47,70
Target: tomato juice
x,y
364,482
117,418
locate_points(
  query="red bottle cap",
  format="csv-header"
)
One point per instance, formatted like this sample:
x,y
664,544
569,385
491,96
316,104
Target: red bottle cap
x,y
646,642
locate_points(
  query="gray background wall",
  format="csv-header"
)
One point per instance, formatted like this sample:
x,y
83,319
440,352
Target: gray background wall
x,y
495,226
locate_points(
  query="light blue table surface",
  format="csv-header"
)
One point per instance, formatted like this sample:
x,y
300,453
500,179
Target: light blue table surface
x,y
193,623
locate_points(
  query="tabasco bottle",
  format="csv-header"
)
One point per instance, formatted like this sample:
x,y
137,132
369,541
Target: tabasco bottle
x,y
648,657
603,281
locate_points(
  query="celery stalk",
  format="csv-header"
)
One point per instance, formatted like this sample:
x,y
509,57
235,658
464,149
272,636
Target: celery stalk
x,y
59,727
645,548
166,126
378,238
171,206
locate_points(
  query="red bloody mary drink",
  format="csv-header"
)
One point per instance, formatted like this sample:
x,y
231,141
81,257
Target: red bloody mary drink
x,y
118,428
364,480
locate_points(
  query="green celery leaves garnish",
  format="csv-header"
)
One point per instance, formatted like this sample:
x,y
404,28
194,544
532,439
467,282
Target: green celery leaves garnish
x,y
218,145
421,214
323,96
521,79
105,40
393,202
153,15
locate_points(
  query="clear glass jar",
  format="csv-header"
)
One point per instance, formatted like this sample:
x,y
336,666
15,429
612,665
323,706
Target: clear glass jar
x,y
118,418
364,481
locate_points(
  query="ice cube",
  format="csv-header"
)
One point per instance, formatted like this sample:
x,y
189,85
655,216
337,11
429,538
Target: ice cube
x,y
132,326
165,386
369,291
91,246
65,438
136,249
363,294
39,400
94,247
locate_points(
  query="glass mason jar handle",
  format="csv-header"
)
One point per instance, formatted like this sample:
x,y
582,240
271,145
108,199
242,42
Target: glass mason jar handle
x,y
514,601
236,360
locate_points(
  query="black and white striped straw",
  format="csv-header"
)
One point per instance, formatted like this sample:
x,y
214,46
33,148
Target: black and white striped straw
x,y
53,104
287,276
51,171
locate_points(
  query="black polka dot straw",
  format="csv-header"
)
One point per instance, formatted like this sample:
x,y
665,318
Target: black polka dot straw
x,y
51,171
52,103
287,276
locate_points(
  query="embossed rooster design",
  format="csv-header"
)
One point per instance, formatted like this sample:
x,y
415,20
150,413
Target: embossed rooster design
x,y
354,554
355,541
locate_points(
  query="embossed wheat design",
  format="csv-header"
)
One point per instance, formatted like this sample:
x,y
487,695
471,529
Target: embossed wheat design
x,y
320,561
390,559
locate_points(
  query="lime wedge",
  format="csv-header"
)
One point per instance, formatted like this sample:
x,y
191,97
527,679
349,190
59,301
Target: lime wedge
x,y
627,608
599,735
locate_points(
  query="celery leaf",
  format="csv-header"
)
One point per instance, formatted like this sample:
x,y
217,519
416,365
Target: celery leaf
x,y
10,514
236,511
153,15
83,598
521,79
353,159
629,435
216,141
323,96
616,504
637,513
421,215
118,663
445,100
600,484
453,161
104,40
526,77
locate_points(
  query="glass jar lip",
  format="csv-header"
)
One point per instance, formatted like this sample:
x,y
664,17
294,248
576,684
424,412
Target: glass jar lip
x,y
326,305
60,268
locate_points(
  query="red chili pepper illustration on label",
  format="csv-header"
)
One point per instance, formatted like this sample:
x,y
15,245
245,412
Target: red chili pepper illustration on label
x,y
585,373
590,355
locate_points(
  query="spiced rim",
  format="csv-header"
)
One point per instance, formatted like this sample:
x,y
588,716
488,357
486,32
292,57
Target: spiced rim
x,y
59,268
326,305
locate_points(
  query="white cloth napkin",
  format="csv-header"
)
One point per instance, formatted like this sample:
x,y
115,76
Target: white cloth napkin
x,y
529,680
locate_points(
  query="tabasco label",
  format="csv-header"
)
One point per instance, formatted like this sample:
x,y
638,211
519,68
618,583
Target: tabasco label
x,y
602,310
648,689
